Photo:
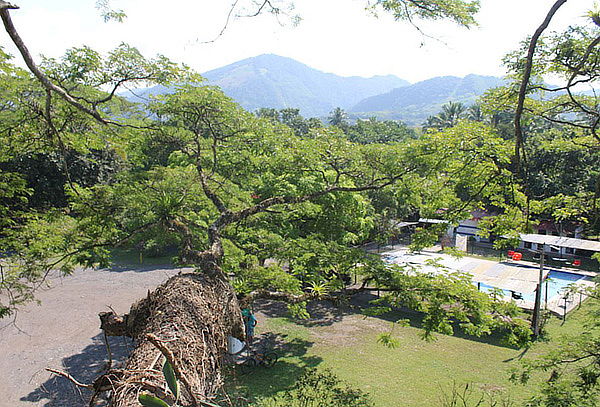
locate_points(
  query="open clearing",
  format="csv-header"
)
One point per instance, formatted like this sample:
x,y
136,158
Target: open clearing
x,y
415,374
64,333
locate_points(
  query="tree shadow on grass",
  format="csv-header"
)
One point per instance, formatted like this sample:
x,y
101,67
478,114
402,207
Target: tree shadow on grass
x,y
520,356
414,319
293,361
324,313
84,367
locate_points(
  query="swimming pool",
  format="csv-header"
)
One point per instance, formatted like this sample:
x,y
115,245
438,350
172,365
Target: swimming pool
x,y
556,283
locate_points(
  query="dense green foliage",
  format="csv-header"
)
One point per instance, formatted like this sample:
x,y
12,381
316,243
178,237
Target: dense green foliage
x,y
317,388
291,118
375,131
440,296
275,187
200,174
572,370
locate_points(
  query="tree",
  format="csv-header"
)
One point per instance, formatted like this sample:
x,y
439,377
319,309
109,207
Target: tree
x,y
374,131
319,388
551,123
572,370
233,168
338,117
451,113
233,176
291,118
475,113
209,187
37,125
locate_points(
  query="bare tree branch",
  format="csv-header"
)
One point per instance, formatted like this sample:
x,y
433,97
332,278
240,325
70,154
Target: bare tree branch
x,y
68,376
525,80
227,20
7,6
18,41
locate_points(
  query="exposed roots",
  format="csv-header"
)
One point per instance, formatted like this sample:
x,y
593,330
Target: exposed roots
x,y
191,316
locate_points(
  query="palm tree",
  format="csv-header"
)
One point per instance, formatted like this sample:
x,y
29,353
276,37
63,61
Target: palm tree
x,y
451,113
474,113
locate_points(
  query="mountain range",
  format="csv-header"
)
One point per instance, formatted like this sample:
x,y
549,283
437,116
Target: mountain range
x,y
413,104
278,82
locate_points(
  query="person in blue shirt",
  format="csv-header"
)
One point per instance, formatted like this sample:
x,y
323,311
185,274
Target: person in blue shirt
x,y
249,323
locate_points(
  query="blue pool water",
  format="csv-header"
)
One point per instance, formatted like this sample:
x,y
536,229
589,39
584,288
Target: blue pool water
x,y
557,281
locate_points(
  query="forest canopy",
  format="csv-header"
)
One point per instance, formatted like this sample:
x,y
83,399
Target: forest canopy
x,y
84,171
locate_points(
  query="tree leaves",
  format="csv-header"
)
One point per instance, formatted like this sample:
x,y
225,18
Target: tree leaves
x,y
170,378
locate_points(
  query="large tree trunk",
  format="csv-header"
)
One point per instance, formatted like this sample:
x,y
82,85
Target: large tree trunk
x,y
190,316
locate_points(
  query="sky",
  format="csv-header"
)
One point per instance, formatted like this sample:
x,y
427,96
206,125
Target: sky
x,y
336,36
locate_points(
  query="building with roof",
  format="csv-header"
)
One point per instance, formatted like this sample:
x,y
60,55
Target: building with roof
x,y
561,246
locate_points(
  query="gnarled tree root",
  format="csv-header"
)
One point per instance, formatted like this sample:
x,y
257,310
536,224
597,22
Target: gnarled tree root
x,y
191,316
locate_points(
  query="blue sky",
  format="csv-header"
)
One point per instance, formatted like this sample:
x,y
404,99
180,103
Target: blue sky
x,y
335,35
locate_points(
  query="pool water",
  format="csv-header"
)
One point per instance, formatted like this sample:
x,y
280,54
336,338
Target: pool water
x,y
556,283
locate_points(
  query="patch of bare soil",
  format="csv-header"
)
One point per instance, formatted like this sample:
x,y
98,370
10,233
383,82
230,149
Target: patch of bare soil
x,y
63,333
331,324
348,331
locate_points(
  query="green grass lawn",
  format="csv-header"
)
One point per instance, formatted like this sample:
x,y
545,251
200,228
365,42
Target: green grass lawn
x,y
135,257
415,373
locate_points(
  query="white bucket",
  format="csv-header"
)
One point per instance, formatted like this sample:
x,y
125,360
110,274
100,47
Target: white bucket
x,y
234,345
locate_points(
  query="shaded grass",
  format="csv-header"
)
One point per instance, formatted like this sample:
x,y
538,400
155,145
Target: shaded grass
x,y
292,344
416,373
135,257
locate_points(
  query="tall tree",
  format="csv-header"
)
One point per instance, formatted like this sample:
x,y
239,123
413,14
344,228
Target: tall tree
x,y
375,131
338,117
451,113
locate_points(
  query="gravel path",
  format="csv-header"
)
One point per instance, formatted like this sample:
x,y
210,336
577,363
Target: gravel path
x,y
63,333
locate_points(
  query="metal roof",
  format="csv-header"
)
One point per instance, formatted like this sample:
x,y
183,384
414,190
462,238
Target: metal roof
x,y
425,220
561,241
404,224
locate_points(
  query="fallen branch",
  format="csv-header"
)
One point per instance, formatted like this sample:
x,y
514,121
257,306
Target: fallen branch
x,y
71,378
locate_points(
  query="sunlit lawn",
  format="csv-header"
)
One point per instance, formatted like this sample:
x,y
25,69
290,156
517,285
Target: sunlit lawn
x,y
415,373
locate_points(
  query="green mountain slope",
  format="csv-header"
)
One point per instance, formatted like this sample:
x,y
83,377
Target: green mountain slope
x,y
414,103
278,82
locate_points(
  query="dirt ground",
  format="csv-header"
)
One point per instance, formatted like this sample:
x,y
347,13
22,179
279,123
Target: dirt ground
x,y
63,333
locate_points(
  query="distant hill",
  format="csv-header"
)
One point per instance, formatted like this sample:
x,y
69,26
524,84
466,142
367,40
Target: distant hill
x,y
278,82
414,103
274,81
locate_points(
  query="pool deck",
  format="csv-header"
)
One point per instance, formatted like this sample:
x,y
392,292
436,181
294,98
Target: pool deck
x,y
520,277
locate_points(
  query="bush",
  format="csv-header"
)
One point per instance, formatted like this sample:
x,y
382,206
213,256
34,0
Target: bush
x,y
318,388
